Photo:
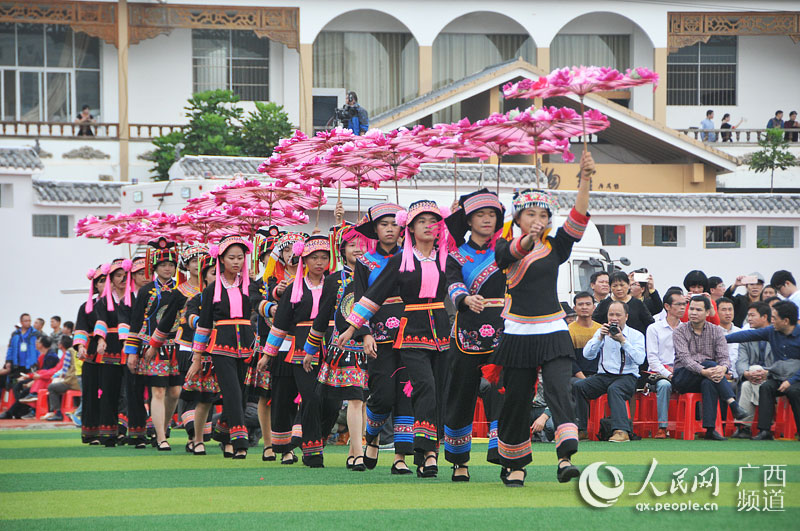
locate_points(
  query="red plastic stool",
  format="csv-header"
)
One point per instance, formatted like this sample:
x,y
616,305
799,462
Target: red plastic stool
x,y
646,422
687,423
480,427
42,404
68,402
785,427
599,408
7,400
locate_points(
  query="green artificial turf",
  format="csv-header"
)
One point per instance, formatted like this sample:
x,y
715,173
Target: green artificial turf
x,y
49,480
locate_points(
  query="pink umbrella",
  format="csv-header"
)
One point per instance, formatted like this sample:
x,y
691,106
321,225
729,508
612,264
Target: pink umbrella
x,y
580,81
542,147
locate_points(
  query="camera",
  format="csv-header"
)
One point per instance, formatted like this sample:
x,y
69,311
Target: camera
x,y
613,329
345,113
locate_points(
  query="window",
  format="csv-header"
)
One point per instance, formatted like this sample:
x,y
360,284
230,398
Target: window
x,y
6,195
50,226
613,234
724,237
47,72
231,60
582,272
659,236
768,237
703,74
382,68
608,50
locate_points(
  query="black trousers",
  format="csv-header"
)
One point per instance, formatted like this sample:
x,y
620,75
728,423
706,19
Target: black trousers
x,y
90,414
514,424
619,387
185,409
110,385
462,393
767,394
284,408
686,381
387,378
135,385
230,373
426,374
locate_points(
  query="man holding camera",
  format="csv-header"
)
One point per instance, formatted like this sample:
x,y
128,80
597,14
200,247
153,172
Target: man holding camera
x,y
621,351
357,116
702,362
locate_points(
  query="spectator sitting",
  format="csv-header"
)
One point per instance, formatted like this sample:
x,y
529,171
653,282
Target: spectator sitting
x,y
618,370
68,328
570,313
65,379
742,302
753,357
784,374
768,292
38,327
581,331
638,317
786,285
706,125
25,387
701,363
725,309
21,354
771,301
791,123
85,120
716,288
661,355
646,292
696,283
672,289
55,325
776,121
726,124
542,427
598,283
359,123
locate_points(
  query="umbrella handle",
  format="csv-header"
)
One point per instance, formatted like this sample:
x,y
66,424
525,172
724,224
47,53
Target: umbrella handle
x,y
455,176
583,123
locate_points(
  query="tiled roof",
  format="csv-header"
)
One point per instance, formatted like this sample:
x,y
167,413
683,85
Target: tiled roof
x,y
87,193
200,167
20,158
511,174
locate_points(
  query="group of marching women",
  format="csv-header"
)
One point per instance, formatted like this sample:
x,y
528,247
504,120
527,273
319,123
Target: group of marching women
x,y
358,316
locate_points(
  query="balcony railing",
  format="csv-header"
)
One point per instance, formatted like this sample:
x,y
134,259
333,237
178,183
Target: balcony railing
x,y
101,131
737,136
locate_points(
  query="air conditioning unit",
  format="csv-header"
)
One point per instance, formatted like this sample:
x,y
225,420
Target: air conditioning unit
x,y
325,101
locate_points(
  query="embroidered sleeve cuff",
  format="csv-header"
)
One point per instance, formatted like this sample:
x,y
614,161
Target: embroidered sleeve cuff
x,y
456,291
576,223
193,321
200,341
516,248
362,312
100,329
313,343
274,341
132,345
79,337
123,330
158,339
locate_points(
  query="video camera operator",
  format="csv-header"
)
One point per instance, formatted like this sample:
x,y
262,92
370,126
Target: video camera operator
x,y
353,115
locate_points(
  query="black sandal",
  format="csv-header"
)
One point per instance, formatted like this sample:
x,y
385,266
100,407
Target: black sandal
x,y
189,447
347,462
141,445
94,442
240,454
225,453
358,467
291,461
458,479
162,448
566,473
400,471
265,457
371,462
428,471
515,482
198,445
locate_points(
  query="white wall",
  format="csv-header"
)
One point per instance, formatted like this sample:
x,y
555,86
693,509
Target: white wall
x,y
768,75
35,271
670,264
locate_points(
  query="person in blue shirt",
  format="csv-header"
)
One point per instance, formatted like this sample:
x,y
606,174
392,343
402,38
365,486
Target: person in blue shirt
x,y
359,123
777,121
784,340
21,354
621,350
707,124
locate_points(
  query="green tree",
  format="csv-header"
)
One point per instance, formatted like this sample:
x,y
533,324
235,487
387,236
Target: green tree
x,y
262,129
774,155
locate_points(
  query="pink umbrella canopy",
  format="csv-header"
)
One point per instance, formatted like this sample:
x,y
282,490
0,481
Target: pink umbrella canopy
x,y
268,196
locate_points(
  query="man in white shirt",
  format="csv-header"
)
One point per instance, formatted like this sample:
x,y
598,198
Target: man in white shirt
x,y
621,351
661,355
783,281
726,322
